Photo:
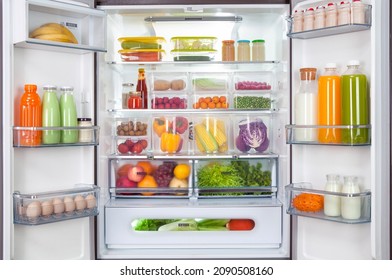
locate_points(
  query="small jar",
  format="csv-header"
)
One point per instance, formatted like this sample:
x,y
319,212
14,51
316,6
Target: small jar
x,y
319,17
358,12
228,50
126,91
135,101
85,135
344,13
243,50
298,20
258,50
309,19
331,15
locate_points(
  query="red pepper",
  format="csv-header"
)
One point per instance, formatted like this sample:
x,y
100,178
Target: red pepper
x,y
240,224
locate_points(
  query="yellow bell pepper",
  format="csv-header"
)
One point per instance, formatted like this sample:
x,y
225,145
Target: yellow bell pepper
x,y
170,142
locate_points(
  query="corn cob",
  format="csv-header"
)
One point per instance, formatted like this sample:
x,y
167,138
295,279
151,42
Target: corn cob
x,y
217,128
198,144
206,139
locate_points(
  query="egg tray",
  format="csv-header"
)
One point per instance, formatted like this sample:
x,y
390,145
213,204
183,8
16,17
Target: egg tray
x,y
49,207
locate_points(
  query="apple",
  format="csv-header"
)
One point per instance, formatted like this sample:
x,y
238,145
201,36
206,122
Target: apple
x,y
136,174
124,182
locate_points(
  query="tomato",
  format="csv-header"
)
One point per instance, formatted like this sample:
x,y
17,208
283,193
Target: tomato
x,y
240,224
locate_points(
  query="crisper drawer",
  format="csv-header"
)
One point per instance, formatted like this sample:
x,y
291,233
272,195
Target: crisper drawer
x,y
176,223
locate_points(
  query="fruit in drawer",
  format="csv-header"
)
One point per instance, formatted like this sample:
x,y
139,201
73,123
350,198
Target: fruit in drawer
x,y
123,170
147,166
128,146
147,182
168,103
178,183
160,126
132,128
171,142
124,182
136,174
181,124
164,173
214,102
182,171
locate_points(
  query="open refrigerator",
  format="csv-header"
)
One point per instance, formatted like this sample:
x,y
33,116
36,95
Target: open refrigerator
x,y
195,213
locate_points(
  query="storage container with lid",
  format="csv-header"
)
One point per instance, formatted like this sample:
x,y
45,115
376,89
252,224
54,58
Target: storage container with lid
x,y
319,17
258,50
308,19
129,55
243,50
331,15
298,20
132,43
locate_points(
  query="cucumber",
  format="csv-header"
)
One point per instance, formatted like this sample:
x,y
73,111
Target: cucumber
x,y
131,45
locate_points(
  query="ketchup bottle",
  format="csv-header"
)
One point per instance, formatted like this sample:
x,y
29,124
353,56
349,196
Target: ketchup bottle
x,y
142,87
30,116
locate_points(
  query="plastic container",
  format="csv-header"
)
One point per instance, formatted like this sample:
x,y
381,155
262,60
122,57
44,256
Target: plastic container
x,y
319,17
193,55
308,19
253,81
141,55
211,101
163,83
193,48
68,115
169,101
258,50
243,50
135,43
331,15
50,115
211,135
132,136
228,50
344,13
298,21
332,202
207,82
358,12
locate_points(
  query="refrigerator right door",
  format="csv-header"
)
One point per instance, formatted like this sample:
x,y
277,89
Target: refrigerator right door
x,y
357,225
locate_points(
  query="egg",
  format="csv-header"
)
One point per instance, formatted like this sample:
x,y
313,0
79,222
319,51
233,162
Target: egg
x,y
69,204
58,206
33,210
91,201
47,208
80,202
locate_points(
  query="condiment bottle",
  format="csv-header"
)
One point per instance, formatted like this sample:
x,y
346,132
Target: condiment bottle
x,y
344,13
68,115
319,17
331,15
351,205
258,50
126,91
306,105
308,19
135,101
50,115
332,202
358,12
142,87
298,20
329,105
30,116
228,50
355,104
243,50
85,135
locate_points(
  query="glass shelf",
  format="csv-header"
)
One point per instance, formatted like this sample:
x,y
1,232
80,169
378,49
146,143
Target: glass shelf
x,y
87,136
48,207
293,190
347,135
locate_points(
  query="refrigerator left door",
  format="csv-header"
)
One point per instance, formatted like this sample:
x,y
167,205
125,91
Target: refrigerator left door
x,y
44,174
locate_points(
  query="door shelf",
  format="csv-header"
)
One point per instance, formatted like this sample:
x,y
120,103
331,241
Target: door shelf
x,y
86,136
316,199
347,135
48,207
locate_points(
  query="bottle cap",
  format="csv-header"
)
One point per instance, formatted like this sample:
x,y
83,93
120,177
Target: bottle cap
x,y
330,65
66,88
243,41
228,41
353,63
30,87
84,119
258,41
49,87
308,74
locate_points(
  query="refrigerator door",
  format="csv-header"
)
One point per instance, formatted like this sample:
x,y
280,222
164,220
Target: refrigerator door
x,y
315,236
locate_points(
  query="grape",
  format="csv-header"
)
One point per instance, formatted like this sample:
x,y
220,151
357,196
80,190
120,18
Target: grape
x,y
164,173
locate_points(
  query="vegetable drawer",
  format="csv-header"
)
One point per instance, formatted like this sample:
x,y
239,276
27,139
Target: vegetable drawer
x,y
170,223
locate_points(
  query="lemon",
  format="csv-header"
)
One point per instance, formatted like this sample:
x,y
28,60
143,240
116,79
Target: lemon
x,y
182,171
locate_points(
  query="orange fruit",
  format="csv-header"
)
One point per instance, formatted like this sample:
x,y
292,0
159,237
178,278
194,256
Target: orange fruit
x,y
218,105
224,105
147,166
201,99
222,99
182,171
147,182
211,105
203,105
196,105
215,99
207,99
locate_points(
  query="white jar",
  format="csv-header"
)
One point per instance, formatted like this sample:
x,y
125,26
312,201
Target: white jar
x,y
351,205
358,12
85,135
308,19
332,202
258,50
331,15
243,50
344,13
298,21
319,17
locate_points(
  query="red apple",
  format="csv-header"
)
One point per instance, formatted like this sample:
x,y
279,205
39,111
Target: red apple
x,y
136,173
124,182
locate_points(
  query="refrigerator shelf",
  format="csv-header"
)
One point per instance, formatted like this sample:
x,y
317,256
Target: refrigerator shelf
x,y
87,136
48,207
351,135
152,156
46,45
296,189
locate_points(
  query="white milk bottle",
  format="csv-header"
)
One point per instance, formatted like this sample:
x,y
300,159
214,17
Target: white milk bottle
x,y
306,106
351,205
332,202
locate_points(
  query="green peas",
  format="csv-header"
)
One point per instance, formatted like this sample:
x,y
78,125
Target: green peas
x,y
252,102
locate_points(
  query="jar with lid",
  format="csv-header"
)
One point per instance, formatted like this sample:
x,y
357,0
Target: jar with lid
x,y
309,19
135,100
344,13
85,135
319,17
228,50
298,20
358,12
258,50
243,50
332,202
351,204
331,15
127,88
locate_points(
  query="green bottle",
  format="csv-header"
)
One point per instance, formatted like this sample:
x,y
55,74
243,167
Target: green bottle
x,y
355,105
50,115
68,116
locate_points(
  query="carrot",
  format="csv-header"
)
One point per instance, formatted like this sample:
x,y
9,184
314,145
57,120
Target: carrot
x,y
308,202
240,224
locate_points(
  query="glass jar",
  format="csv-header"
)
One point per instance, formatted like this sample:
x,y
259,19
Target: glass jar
x,y
228,51
127,88
351,205
243,50
85,135
258,50
135,100
332,202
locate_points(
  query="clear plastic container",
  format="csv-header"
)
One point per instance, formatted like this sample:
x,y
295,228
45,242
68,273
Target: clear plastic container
x,y
211,134
172,82
200,48
135,43
141,55
132,136
207,82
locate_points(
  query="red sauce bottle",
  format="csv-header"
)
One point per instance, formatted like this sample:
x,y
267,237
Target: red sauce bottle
x,y
142,87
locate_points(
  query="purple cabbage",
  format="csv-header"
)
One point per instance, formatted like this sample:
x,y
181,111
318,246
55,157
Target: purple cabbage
x,y
252,135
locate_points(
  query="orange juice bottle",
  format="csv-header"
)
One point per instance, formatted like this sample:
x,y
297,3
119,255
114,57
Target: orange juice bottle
x,y
30,116
329,105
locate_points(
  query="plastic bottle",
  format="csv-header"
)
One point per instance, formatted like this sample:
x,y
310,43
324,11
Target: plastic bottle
x,y
142,87
68,115
319,17
308,19
332,202
258,50
30,116
50,115
298,21
329,105
243,50
358,12
351,205
331,15
228,50
355,104
306,105
344,13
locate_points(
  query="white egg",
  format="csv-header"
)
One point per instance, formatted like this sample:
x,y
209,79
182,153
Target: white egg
x,y
80,202
69,204
33,210
91,201
47,208
58,206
